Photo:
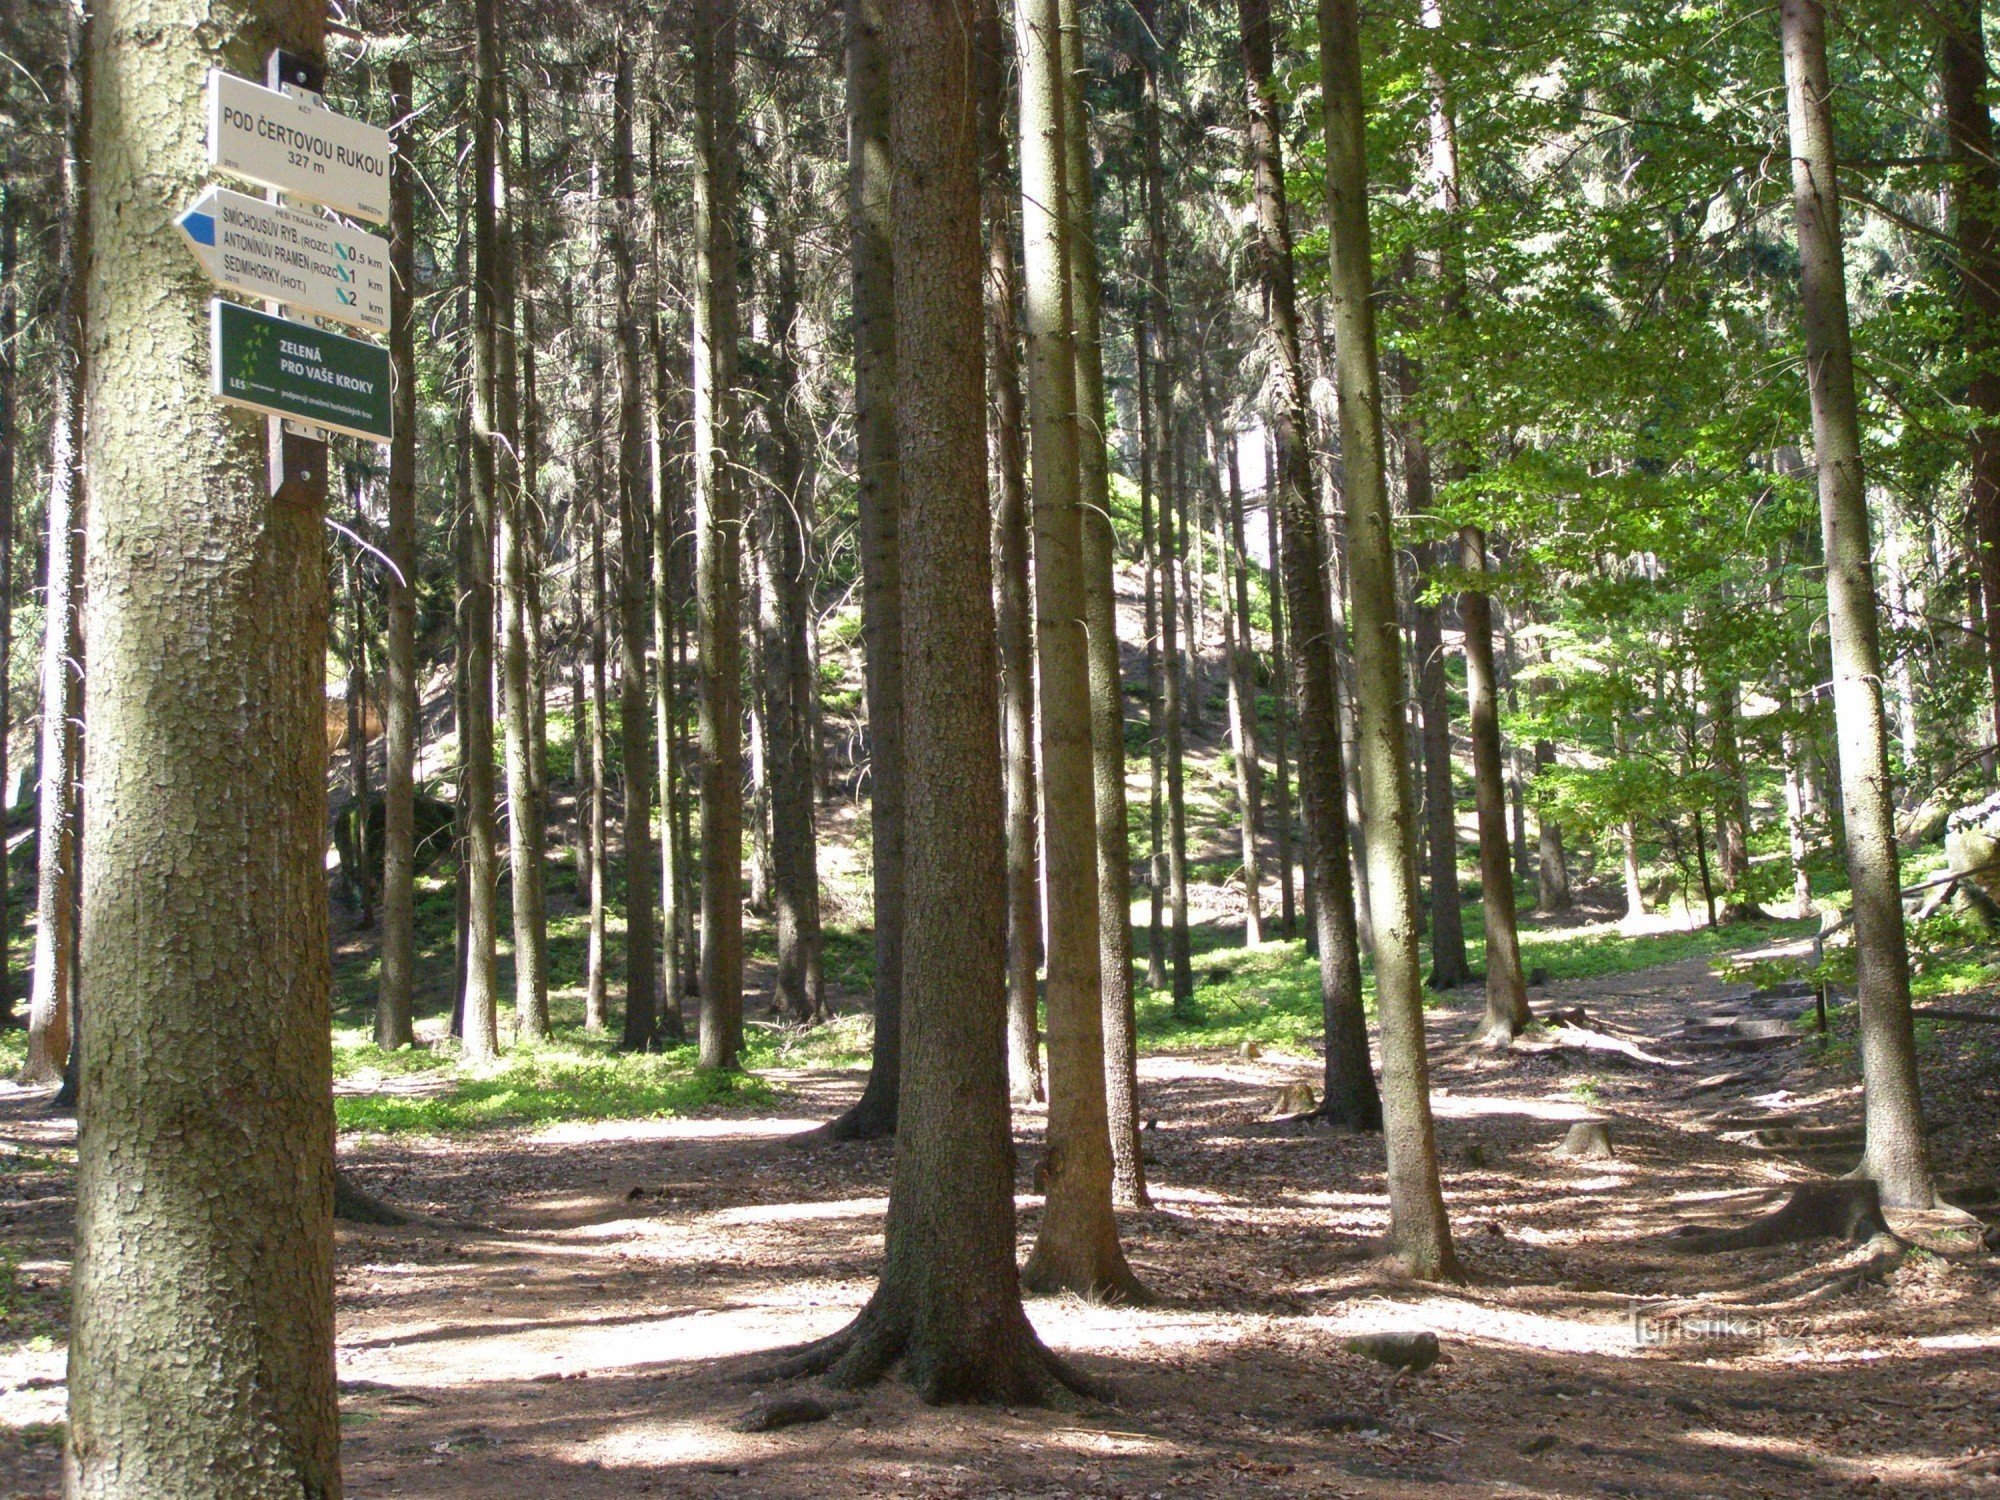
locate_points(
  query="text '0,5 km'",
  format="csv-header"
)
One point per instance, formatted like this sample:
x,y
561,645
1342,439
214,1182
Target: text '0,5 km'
x,y
304,260
298,146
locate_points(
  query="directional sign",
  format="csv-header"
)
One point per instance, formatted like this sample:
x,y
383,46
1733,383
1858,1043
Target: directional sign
x,y
310,263
298,146
288,369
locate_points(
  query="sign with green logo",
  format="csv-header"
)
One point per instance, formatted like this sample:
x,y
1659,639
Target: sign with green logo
x,y
288,369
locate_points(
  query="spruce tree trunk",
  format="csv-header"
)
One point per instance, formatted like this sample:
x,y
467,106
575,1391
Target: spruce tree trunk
x,y
10,212
1506,985
1449,965
1281,710
527,818
1732,808
1014,609
635,587
667,509
1553,897
799,987
1107,685
1628,841
1167,473
1351,1096
201,1351
949,1303
1242,677
1975,193
58,814
718,515
480,1002
395,997
596,1001
1077,1249
879,487
1419,1229
1156,852
1897,1155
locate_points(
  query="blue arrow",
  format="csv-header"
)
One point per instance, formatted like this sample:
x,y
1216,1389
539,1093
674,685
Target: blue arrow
x,y
199,227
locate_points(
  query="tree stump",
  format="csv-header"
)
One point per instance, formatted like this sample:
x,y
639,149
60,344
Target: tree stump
x,y
1587,1139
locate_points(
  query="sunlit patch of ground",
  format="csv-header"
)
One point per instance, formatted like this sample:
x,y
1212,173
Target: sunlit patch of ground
x,y
584,1308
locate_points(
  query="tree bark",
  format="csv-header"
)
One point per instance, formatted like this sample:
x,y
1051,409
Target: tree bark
x,y
1975,193
1013,606
1897,1154
1156,848
1100,608
949,1303
596,1001
878,483
395,997
1507,1013
666,603
1249,777
799,985
1077,1249
51,1000
1419,1229
1167,473
481,1021
527,818
204,1247
718,516
1351,1095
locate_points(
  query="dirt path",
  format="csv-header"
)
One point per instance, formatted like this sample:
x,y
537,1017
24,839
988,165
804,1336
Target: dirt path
x,y
581,1315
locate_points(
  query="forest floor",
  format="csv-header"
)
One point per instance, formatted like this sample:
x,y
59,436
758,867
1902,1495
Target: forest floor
x,y
582,1308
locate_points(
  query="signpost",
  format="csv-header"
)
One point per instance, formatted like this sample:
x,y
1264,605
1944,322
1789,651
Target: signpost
x,y
308,262
288,369
299,146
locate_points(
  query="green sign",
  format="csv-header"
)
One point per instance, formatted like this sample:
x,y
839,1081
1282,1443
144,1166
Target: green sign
x,y
288,369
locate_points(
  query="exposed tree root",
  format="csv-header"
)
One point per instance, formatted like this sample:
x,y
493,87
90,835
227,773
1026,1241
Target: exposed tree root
x,y
1845,1209
1008,1366
354,1206
872,1117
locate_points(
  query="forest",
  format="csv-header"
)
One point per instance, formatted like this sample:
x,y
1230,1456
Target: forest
x,y
920,748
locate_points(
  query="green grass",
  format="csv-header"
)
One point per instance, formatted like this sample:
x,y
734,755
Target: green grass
x,y
571,1078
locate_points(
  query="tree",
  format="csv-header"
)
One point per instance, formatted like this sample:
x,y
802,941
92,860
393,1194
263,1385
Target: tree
x,y
877,479
1351,1095
948,1305
1100,608
1078,1245
635,585
204,1265
1419,1230
718,516
395,996
59,812
1896,1154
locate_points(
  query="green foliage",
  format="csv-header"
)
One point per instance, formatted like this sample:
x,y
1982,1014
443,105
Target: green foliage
x,y
571,1078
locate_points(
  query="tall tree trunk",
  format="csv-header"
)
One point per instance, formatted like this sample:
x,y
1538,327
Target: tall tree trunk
x,y
1156,848
949,1302
871,263
1013,606
1506,985
1897,1154
1732,808
58,813
799,987
395,998
359,876
1975,193
1449,965
10,212
1249,774
527,273
1100,610
1628,842
1077,1249
1419,1229
718,514
596,1002
527,818
1281,702
635,587
1167,472
665,597
204,1232
482,1033
1351,1095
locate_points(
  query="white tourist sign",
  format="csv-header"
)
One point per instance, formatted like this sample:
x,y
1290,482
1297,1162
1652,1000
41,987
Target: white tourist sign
x,y
297,145
310,263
